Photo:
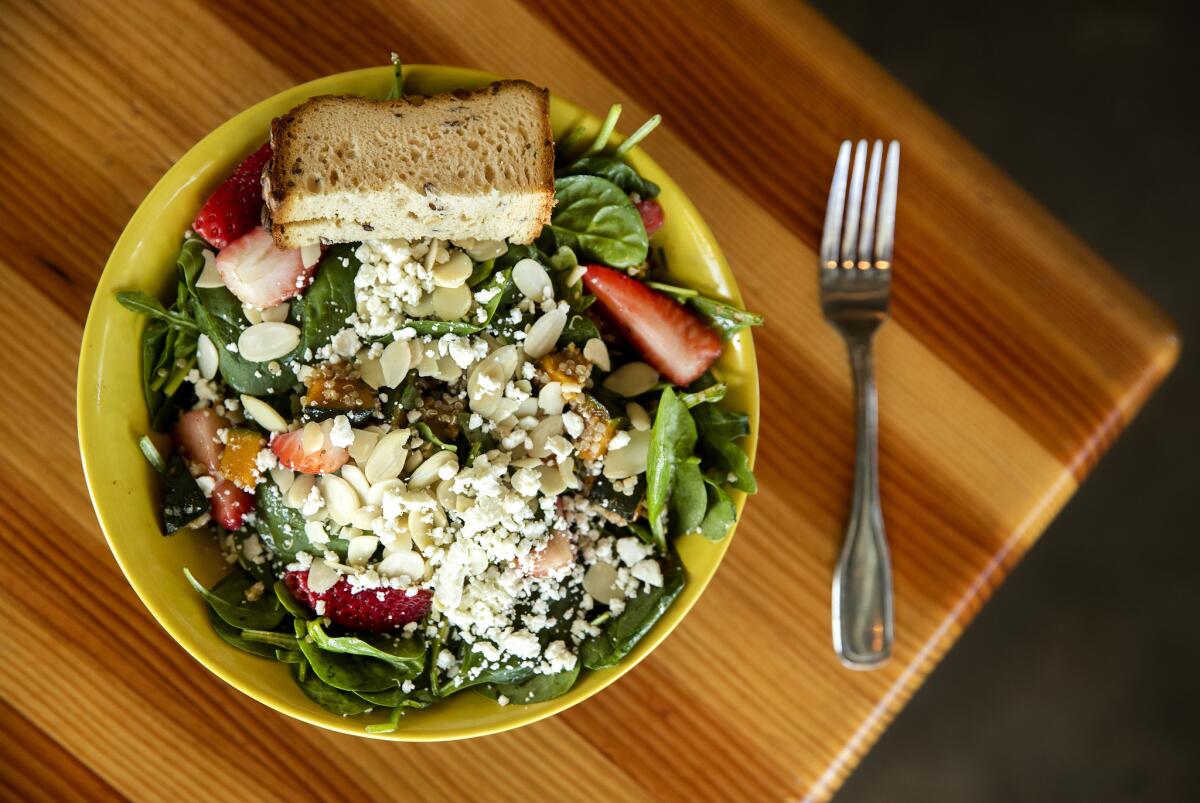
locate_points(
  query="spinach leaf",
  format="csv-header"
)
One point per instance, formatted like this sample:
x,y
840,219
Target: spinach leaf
x,y
435,328
616,171
324,307
289,656
407,655
720,315
688,498
396,90
636,137
331,699
183,501
219,315
139,302
597,220
475,670
282,528
228,600
672,441
480,272
721,514
477,441
350,672
579,330
233,636
289,603
536,689
711,394
150,452
280,640
718,429
501,282
428,436
389,698
725,318
622,633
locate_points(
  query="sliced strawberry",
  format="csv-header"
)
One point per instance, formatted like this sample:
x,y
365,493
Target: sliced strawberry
x,y
324,459
375,610
652,215
236,206
196,437
230,504
671,337
260,274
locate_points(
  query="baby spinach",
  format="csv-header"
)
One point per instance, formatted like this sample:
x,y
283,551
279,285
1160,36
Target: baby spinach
x,y
720,315
477,441
616,171
709,395
475,670
323,308
501,282
219,316
721,514
535,689
406,655
396,90
350,672
289,603
718,430
289,656
579,330
282,528
689,501
139,302
280,640
672,441
480,272
233,636
636,137
328,697
428,436
389,698
150,452
596,219
622,633
228,600
183,501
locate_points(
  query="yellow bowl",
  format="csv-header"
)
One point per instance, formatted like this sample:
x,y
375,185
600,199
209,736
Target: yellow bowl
x,y
112,415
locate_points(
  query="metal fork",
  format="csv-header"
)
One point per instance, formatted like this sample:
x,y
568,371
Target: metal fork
x,y
856,279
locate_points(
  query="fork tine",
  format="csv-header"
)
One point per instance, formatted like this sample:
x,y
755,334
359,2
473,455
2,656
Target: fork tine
x,y
833,212
866,237
887,207
854,206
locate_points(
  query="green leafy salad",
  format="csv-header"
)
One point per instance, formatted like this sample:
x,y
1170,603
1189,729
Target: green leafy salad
x,y
437,465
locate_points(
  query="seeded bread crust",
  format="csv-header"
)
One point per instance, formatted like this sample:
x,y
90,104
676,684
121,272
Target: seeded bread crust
x,y
468,164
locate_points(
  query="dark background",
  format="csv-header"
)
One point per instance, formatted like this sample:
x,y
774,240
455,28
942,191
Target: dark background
x,y
1079,681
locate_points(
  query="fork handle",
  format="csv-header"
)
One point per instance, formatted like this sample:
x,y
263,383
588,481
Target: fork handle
x,y
862,582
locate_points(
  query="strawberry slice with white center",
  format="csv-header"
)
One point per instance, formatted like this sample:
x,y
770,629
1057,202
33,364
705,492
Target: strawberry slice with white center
x,y
196,437
230,504
669,336
309,450
236,206
374,610
260,274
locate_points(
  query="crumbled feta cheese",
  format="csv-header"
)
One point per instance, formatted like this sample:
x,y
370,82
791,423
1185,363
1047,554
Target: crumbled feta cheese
x,y
632,550
648,571
341,434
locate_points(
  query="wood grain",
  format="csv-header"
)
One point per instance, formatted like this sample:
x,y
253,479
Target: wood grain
x,y
1014,358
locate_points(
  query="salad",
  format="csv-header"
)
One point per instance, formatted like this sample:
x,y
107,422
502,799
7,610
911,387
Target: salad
x,y
438,466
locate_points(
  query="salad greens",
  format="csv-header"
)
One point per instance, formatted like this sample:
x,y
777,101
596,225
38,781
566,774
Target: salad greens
x,y
692,454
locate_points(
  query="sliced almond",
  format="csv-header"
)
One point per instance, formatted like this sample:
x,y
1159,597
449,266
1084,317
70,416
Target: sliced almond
x,y
340,498
430,470
549,426
299,490
283,478
253,314
454,272
277,313
264,342
632,379
321,577
532,280
543,335
210,277
403,563
364,443
207,357
364,517
360,549
312,437
263,414
371,372
358,481
388,456
552,482
630,459
483,250
600,581
395,362
310,254
639,419
550,398
597,354
315,532
452,303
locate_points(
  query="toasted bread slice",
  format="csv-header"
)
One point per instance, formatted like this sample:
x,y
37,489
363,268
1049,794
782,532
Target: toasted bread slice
x,y
471,164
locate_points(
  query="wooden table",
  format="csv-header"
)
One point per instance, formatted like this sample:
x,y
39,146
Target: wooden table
x,y
1014,358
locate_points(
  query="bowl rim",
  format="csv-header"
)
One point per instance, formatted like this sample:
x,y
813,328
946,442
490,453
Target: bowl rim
x,y
179,175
